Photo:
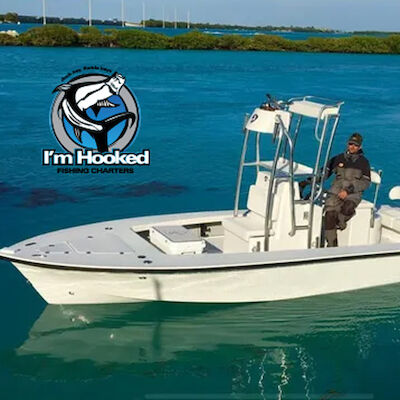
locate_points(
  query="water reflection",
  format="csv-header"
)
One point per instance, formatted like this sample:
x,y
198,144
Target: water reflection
x,y
269,349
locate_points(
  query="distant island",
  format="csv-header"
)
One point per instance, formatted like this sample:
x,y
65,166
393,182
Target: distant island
x,y
12,17
375,33
30,19
153,23
62,36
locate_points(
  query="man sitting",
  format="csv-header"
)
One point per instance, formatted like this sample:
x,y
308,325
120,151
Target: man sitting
x,y
353,176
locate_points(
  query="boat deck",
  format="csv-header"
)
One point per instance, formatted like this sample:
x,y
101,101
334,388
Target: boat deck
x,y
121,245
111,244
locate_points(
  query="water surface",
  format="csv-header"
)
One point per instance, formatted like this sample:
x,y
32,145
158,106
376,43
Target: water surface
x,y
192,105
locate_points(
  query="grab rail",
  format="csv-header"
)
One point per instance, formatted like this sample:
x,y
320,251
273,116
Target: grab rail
x,y
268,211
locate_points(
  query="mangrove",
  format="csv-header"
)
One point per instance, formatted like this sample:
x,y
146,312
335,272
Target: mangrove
x,y
62,36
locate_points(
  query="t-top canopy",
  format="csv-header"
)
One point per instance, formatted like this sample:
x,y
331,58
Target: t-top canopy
x,y
313,109
265,121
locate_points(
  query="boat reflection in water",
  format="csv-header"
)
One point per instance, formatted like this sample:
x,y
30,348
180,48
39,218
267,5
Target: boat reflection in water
x,y
268,348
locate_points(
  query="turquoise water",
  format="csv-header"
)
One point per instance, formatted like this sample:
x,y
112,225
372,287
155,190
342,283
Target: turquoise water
x,y
192,105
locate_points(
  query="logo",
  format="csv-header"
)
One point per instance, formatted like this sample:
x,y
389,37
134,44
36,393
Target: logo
x,y
94,117
254,117
94,112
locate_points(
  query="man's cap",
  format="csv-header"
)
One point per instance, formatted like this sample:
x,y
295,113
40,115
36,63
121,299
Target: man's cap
x,y
355,138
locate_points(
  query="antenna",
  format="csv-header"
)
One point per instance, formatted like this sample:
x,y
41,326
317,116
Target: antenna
x,y
188,19
90,12
122,13
44,11
144,15
175,23
163,16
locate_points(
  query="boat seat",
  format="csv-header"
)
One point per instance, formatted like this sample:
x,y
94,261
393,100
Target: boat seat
x,y
390,217
257,200
258,194
252,224
358,230
365,204
247,226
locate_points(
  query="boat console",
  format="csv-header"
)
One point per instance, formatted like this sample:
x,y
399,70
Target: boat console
x,y
245,232
277,218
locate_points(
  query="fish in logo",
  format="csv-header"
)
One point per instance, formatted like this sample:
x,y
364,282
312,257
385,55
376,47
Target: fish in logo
x,y
79,97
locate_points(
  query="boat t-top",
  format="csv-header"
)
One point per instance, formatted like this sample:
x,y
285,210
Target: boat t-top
x,y
271,250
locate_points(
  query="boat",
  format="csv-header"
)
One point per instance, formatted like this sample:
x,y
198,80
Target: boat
x,y
273,249
128,24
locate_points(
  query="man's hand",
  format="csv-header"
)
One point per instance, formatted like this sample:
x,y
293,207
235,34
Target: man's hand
x,y
304,183
342,194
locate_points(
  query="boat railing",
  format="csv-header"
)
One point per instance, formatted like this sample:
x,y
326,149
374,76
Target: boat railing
x,y
278,120
271,183
376,178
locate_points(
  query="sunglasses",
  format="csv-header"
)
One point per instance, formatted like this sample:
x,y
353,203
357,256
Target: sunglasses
x,y
353,144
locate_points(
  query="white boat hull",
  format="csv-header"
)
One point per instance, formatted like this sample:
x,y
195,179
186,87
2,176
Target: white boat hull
x,y
233,285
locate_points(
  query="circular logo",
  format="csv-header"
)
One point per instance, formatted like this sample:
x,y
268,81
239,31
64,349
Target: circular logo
x,y
94,112
254,117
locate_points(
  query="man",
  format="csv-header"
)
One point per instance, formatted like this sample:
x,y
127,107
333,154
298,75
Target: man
x,y
353,176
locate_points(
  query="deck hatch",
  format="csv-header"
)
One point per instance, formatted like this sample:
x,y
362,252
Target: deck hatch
x,y
103,243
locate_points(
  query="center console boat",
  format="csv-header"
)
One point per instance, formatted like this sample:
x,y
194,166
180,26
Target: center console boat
x,y
272,250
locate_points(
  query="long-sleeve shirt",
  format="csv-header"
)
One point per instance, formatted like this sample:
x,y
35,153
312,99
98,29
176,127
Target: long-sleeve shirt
x,y
353,173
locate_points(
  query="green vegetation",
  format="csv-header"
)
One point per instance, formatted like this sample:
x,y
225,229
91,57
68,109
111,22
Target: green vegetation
x,y
194,41
8,40
49,35
9,17
91,36
58,35
137,39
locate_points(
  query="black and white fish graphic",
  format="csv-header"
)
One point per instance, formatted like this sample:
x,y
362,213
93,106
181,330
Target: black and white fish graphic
x,y
79,97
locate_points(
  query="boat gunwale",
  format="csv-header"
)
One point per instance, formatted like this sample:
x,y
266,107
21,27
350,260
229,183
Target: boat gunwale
x,y
200,269
168,264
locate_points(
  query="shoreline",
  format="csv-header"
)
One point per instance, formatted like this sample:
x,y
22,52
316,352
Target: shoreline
x,y
12,17
63,36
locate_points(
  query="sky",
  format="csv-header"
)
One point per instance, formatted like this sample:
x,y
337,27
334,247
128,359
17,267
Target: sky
x,y
339,14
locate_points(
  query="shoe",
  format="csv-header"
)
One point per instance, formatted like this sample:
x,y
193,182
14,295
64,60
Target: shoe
x,y
333,244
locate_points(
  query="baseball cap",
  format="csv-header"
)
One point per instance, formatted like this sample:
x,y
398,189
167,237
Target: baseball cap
x,y
355,138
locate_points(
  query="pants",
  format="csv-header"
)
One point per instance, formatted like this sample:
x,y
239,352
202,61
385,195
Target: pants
x,y
337,213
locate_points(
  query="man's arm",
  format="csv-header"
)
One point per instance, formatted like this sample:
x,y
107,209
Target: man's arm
x,y
330,169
